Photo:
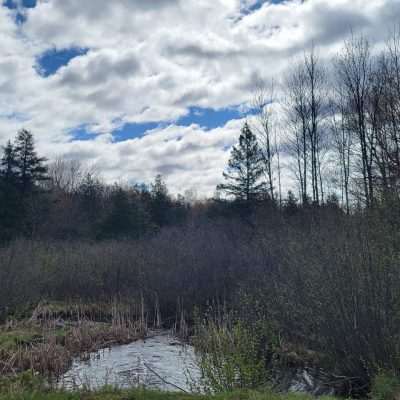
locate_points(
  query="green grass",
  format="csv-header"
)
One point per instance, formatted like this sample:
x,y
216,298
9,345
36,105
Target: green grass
x,y
112,394
10,340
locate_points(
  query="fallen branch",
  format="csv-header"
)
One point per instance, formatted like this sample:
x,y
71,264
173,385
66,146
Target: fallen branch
x,y
165,381
9,364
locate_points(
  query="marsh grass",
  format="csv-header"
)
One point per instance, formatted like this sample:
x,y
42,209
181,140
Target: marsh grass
x,y
55,334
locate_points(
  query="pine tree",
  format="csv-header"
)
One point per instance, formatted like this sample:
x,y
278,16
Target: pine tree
x,y
160,203
126,218
91,194
10,207
30,168
8,164
21,170
291,205
245,169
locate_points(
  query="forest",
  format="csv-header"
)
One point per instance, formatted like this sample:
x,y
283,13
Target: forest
x,y
263,282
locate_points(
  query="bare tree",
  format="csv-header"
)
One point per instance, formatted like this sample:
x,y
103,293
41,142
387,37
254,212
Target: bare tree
x,y
385,114
315,80
343,141
278,159
354,73
263,100
66,175
297,114
306,110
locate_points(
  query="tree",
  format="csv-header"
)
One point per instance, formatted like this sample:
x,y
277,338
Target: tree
x,y
160,202
245,169
343,143
91,199
30,168
291,204
384,118
65,175
305,105
298,118
21,172
9,204
315,101
8,163
354,72
263,100
126,218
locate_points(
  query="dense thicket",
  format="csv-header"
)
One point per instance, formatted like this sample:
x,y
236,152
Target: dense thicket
x,y
322,281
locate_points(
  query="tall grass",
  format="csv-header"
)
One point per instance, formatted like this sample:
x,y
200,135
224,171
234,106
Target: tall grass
x,y
48,341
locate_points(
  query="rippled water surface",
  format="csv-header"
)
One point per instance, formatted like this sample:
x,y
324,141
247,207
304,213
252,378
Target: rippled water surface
x,y
160,362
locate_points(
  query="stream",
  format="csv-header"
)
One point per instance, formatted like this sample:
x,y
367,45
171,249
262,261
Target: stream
x,y
160,362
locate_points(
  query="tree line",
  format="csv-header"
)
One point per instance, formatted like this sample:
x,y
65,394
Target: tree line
x,y
335,129
63,200
337,123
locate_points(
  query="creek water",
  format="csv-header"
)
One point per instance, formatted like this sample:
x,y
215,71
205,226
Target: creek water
x,y
159,362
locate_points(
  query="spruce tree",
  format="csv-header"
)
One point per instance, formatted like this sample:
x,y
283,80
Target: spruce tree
x,y
30,168
160,203
10,210
245,169
8,164
91,194
126,218
21,204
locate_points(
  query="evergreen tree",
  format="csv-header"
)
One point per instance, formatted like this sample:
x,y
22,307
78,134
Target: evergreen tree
x,y
8,164
245,169
30,168
10,212
291,206
126,218
91,195
160,203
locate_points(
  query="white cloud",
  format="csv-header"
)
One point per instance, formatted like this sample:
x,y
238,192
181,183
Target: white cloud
x,y
188,157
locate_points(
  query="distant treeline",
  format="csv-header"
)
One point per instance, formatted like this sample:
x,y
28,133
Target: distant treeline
x,y
62,200
339,137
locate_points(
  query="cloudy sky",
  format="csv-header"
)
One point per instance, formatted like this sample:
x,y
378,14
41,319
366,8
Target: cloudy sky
x,y
140,87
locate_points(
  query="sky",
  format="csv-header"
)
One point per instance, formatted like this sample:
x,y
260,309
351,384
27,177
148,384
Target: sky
x,y
136,88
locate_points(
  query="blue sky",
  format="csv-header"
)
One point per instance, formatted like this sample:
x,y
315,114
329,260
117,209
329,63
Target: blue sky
x,y
13,5
206,118
52,60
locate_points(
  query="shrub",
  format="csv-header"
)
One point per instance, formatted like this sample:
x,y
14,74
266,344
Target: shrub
x,y
385,386
230,356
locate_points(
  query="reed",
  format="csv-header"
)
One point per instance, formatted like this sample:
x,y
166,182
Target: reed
x,y
54,335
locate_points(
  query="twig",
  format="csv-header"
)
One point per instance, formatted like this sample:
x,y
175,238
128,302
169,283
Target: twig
x,y
165,381
9,364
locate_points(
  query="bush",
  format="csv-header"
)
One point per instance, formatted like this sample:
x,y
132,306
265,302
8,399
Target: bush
x,y
385,386
230,356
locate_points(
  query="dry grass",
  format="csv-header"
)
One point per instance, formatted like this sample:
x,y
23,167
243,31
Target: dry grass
x,y
47,343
